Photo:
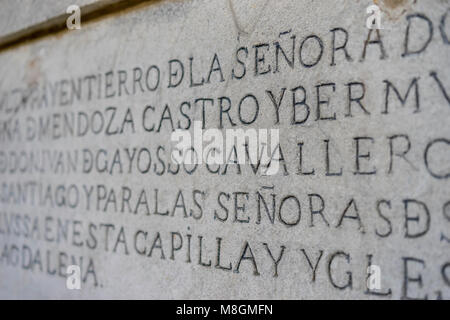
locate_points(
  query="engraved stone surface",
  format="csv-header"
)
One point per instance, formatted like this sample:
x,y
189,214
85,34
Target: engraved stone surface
x,y
352,201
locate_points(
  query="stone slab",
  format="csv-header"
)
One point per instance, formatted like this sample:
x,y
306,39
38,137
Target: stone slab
x,y
87,177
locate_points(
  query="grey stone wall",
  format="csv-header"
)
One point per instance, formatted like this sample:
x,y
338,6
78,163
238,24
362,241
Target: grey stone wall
x,y
362,115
